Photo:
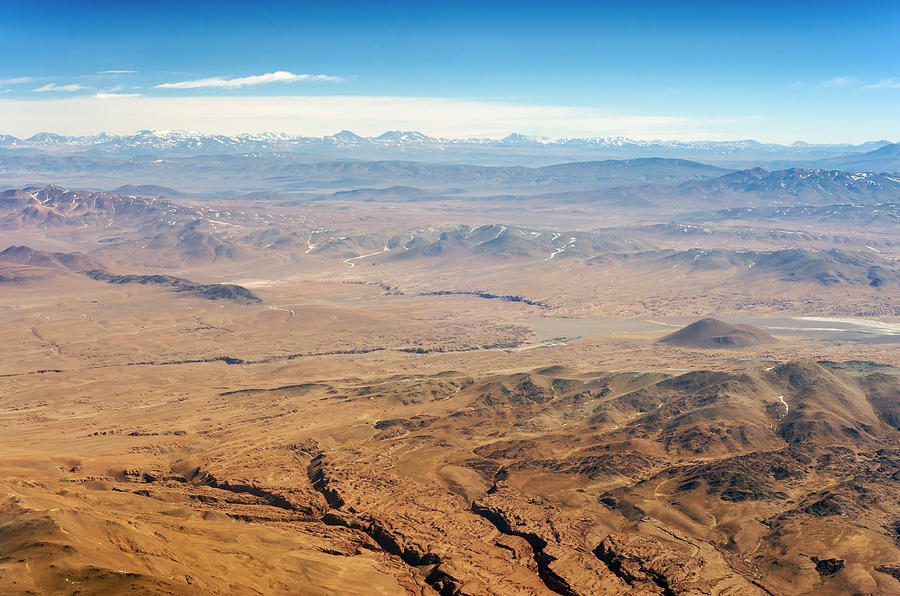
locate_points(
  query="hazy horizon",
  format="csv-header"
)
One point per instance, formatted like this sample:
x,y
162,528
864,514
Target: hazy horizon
x,y
702,71
499,136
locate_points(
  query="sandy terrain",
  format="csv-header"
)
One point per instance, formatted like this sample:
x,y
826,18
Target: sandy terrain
x,y
477,418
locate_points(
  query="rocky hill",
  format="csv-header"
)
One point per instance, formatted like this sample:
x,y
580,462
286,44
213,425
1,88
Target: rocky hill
x,y
24,255
713,333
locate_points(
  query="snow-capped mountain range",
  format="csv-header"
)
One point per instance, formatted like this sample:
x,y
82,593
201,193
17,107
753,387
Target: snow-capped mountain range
x,y
177,142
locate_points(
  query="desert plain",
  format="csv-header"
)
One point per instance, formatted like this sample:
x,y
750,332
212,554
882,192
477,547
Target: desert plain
x,y
397,392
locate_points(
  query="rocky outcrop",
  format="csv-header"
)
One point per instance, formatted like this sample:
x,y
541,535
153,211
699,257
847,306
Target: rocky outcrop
x,y
231,292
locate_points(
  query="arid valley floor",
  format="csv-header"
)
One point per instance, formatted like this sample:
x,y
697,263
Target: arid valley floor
x,y
415,390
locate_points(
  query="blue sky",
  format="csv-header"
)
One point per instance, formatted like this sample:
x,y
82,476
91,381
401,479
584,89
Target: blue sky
x,y
821,72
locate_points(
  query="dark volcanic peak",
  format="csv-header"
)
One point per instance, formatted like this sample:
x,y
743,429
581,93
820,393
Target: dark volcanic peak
x,y
713,333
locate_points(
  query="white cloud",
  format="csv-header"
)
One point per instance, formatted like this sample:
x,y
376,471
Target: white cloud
x,y
839,82
18,80
107,95
281,76
885,84
116,72
847,81
129,89
307,115
55,87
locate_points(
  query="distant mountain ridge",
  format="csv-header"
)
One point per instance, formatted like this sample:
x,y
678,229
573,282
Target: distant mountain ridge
x,y
757,187
814,185
146,190
642,182
292,172
882,159
54,205
832,267
176,142
24,255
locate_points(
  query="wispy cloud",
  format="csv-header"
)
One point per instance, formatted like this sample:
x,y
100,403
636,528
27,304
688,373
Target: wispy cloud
x,y
117,88
840,82
107,95
848,82
281,76
18,80
891,83
55,87
116,72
